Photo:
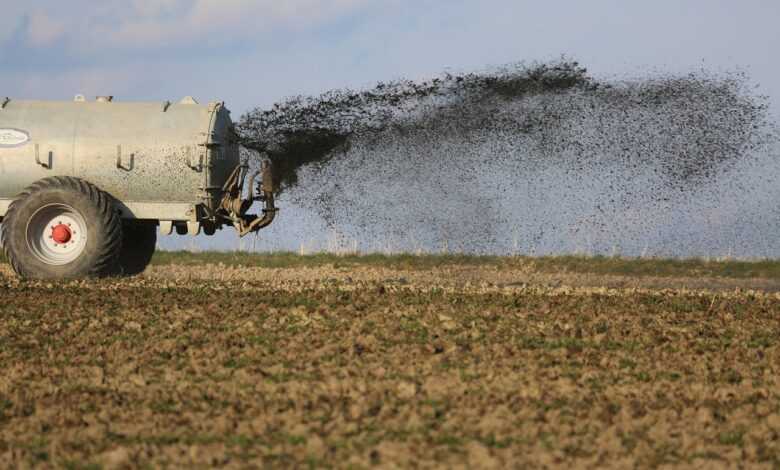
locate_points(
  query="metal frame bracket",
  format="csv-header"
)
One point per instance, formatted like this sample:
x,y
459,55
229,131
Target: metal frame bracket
x,y
119,160
46,164
166,227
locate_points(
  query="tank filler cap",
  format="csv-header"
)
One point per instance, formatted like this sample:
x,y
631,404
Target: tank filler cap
x,y
104,99
79,98
188,100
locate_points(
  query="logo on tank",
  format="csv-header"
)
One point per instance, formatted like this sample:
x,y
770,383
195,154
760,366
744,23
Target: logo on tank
x,y
13,138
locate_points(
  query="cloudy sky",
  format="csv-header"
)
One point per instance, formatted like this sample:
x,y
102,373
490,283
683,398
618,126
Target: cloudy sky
x,y
251,53
254,52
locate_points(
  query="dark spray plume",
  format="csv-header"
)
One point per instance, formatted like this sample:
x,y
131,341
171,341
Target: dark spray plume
x,y
306,129
541,158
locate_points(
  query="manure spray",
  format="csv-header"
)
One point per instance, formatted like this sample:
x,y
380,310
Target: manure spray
x,y
540,158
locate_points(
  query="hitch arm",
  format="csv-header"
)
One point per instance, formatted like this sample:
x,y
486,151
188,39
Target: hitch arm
x,y
253,223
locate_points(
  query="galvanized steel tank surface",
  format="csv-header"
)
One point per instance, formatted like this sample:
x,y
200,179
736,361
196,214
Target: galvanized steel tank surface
x,y
150,151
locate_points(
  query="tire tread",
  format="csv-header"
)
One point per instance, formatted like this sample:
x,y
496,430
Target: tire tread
x,y
110,246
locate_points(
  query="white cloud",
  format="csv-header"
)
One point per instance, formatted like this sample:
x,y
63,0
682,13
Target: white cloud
x,y
44,29
86,26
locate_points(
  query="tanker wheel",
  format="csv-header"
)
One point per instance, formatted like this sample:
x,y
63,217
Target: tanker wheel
x,y
62,228
139,240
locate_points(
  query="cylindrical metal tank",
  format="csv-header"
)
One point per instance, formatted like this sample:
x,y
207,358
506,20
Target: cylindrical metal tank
x,y
160,160
84,186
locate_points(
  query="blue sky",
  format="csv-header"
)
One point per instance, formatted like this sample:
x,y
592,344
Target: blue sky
x,y
251,53
254,52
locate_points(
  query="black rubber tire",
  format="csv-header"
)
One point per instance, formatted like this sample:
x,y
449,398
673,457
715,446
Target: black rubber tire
x,y
104,229
138,243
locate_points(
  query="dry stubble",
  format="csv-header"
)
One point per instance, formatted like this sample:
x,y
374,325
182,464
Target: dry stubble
x,y
460,366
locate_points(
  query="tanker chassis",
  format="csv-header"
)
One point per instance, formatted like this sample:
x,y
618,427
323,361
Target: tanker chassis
x,y
84,185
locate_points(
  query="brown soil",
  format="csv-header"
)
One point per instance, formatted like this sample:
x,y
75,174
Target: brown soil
x,y
458,366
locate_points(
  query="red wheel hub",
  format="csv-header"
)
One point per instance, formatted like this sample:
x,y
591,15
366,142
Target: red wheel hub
x,y
61,233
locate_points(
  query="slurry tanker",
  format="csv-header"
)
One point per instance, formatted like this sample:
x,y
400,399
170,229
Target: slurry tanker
x,y
84,185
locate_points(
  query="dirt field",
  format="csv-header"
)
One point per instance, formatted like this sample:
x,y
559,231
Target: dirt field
x,y
394,362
